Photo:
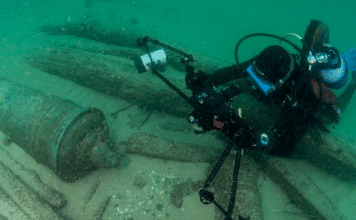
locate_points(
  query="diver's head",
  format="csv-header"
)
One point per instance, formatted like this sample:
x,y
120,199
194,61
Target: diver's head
x,y
329,66
272,67
273,63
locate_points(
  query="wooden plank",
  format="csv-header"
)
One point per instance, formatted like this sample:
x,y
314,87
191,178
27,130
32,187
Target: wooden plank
x,y
113,76
25,198
33,181
328,153
299,187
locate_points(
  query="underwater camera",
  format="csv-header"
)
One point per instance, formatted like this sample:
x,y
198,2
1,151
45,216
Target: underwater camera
x,y
145,62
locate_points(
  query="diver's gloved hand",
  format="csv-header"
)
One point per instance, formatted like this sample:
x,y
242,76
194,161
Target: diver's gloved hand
x,y
200,122
195,81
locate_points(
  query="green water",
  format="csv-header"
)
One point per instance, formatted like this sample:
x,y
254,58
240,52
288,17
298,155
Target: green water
x,y
205,27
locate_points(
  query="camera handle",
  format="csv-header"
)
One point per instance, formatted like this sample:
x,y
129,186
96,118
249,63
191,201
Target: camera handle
x,y
206,196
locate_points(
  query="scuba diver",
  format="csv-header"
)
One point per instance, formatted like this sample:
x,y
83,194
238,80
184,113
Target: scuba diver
x,y
300,84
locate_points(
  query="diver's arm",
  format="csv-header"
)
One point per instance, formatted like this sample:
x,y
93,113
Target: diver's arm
x,y
196,81
227,74
285,138
273,142
279,141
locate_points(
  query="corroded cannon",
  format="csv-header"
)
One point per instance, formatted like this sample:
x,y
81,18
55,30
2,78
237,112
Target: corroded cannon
x,y
69,139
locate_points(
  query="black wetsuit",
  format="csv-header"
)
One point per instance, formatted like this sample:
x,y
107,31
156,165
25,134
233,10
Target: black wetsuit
x,y
293,121
315,102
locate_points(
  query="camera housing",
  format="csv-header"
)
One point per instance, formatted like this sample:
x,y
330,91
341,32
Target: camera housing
x,y
146,62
